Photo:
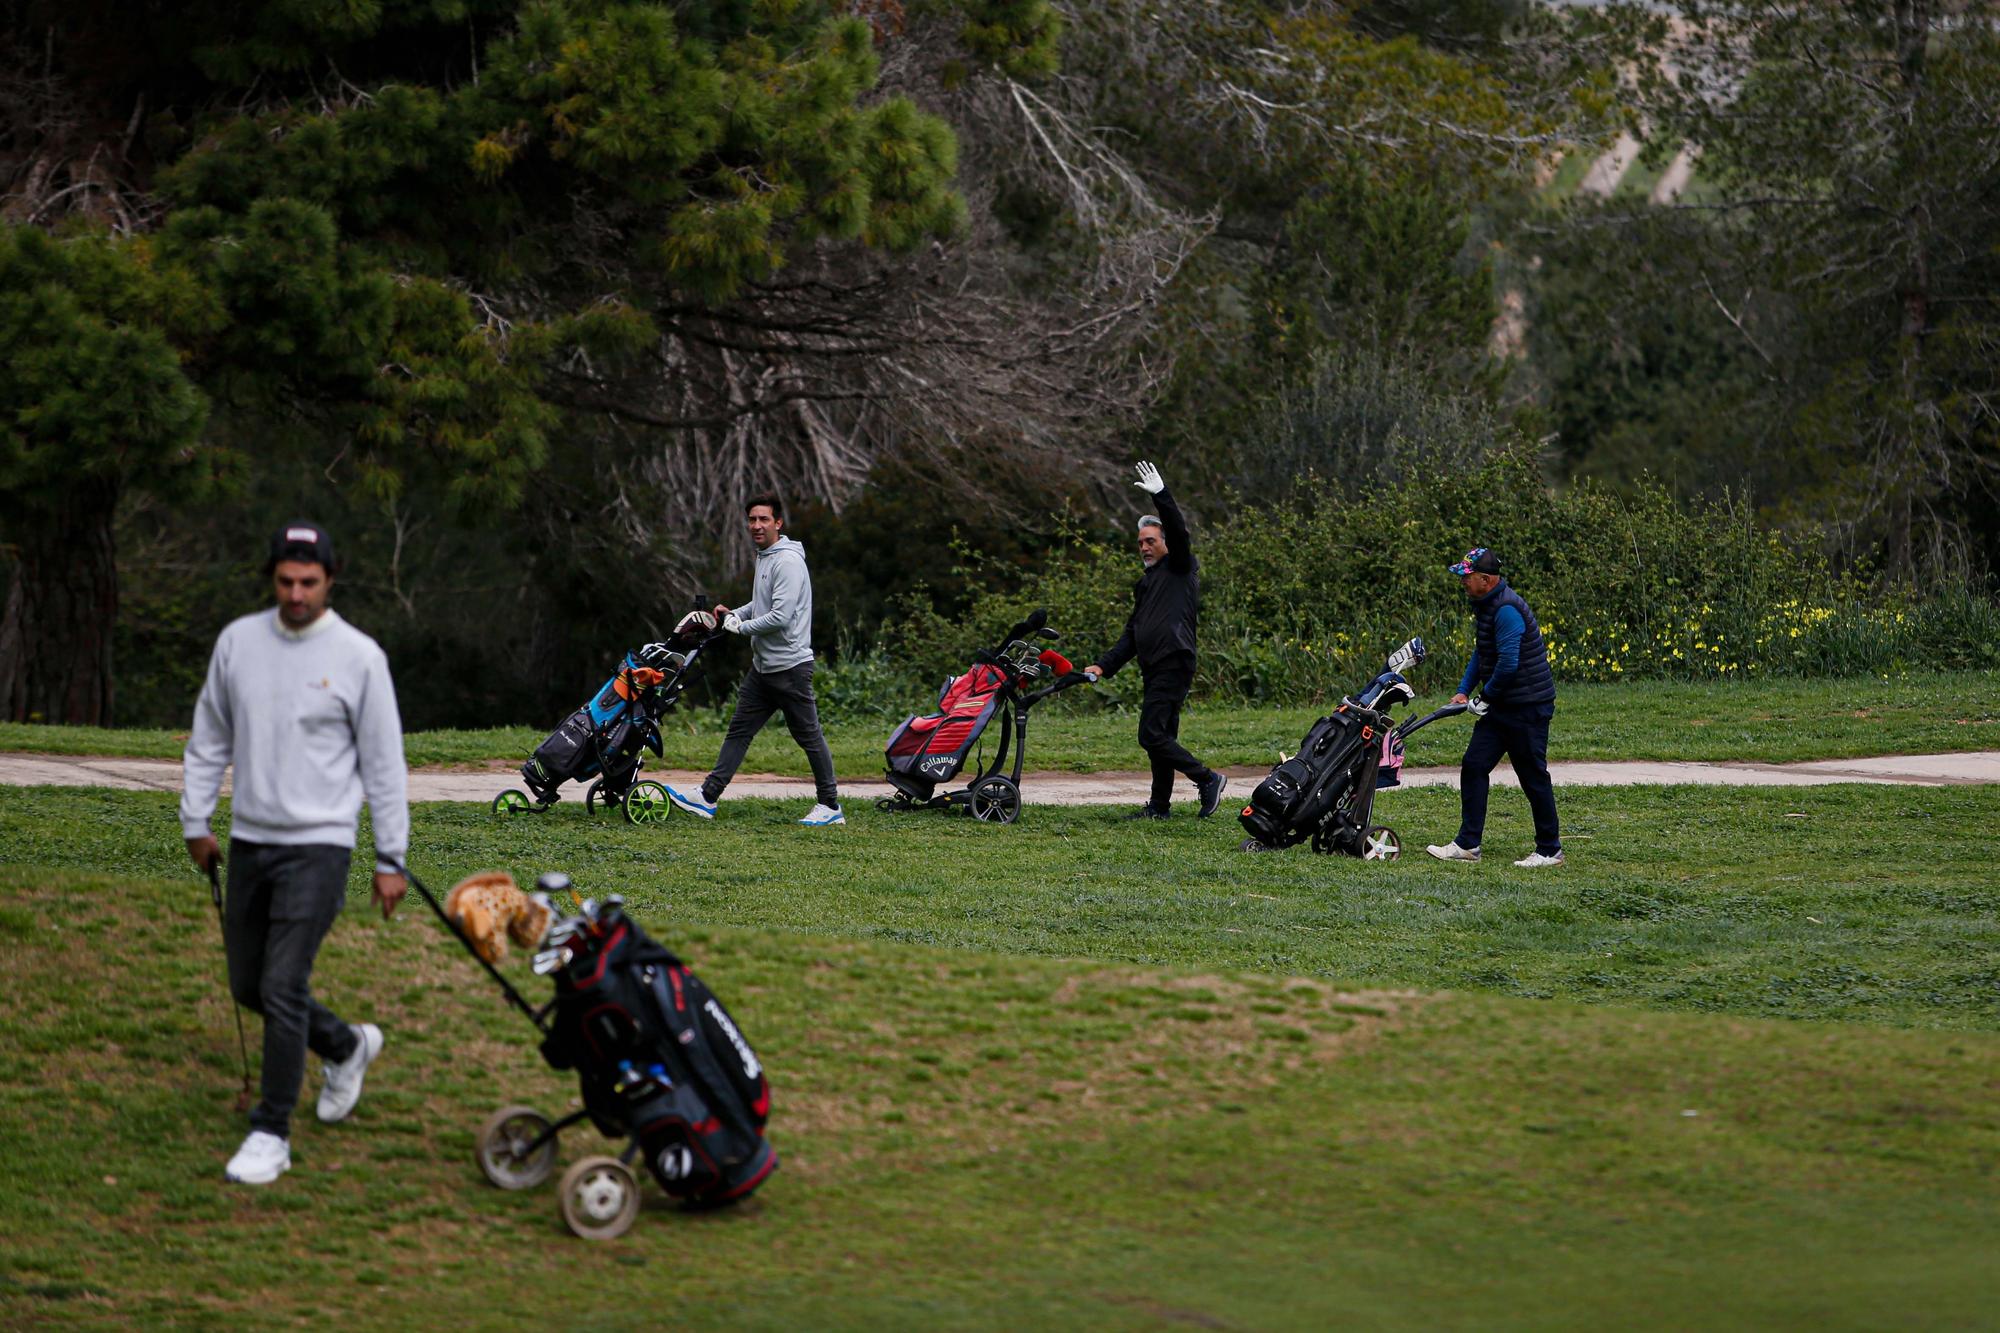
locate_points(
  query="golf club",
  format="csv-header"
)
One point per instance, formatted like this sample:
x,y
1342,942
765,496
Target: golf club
x,y
246,1097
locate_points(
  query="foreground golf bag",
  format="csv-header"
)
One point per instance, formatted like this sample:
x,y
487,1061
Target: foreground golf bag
x,y
658,1057
660,1063
1326,792
929,749
605,738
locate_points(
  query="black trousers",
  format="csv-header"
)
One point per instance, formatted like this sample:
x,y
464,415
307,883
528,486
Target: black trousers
x,y
1160,728
1524,738
282,901
761,694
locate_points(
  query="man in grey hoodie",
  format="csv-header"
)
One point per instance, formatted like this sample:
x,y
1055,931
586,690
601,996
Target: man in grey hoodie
x,y
301,703
778,619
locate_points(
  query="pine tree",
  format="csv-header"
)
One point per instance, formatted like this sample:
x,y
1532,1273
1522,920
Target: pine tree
x,y
391,227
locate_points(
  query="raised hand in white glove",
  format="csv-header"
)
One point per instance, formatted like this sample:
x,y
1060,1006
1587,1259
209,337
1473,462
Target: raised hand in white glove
x,y
1149,479
731,623
1477,707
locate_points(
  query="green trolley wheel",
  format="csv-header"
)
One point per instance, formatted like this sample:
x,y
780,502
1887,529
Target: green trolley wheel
x,y
647,803
513,802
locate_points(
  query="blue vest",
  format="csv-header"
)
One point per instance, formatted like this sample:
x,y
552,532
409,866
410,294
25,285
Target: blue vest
x,y
1533,682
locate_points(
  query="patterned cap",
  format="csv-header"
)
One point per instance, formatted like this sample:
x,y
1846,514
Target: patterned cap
x,y
1479,560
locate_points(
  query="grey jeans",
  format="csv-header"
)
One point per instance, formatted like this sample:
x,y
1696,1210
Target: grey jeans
x,y
282,901
763,693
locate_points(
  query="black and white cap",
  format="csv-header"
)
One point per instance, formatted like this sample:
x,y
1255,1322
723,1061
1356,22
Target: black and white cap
x,y
302,541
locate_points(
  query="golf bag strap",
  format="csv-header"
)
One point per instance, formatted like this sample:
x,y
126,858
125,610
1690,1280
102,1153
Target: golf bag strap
x,y
722,1094
506,986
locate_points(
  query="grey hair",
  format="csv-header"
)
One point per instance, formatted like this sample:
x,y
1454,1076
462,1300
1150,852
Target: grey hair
x,y
1150,521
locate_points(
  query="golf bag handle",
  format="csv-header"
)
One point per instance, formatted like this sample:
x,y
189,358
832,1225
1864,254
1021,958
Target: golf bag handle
x,y
1059,684
1419,723
506,986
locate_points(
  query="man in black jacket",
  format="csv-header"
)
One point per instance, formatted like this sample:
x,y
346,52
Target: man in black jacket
x,y
1160,633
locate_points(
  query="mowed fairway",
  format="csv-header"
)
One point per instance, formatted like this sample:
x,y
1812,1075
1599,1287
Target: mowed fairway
x,y
1735,1065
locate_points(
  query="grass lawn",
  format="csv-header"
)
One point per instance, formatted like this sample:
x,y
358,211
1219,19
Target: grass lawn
x,y
1077,1072
1773,720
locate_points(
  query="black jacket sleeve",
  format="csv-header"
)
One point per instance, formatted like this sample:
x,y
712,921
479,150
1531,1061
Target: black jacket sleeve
x,y
1121,651
1180,554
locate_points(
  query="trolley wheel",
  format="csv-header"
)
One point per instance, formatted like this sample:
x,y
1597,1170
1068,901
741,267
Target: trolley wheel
x,y
597,796
1380,843
503,1148
514,802
647,803
996,800
599,1198
1254,845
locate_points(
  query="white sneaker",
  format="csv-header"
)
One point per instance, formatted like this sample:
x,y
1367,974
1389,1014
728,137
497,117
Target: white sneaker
x,y
1535,860
823,815
1451,851
261,1160
694,805
343,1080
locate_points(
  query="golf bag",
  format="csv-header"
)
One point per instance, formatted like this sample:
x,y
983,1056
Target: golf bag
x,y
658,1057
1326,792
607,734
604,735
1336,756
929,749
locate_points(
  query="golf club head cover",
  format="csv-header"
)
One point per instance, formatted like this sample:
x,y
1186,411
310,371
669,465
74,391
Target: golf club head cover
x,y
491,909
695,625
1049,657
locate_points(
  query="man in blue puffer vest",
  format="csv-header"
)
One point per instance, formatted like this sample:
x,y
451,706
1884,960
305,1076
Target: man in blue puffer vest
x,y
1517,697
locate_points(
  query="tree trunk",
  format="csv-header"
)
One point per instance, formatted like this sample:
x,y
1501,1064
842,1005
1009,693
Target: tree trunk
x,y
1913,30
62,602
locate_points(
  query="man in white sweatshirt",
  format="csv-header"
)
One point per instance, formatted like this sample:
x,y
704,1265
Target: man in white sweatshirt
x,y
778,618
302,704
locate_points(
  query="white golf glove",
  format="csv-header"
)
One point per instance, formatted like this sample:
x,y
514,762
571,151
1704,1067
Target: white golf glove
x,y
1149,479
732,624
1477,707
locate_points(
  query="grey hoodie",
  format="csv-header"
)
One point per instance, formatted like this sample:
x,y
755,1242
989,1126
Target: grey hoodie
x,y
779,615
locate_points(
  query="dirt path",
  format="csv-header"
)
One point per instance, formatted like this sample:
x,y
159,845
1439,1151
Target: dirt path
x,y
1051,788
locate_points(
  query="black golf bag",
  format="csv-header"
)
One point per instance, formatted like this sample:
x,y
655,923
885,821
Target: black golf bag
x,y
659,1059
1326,792
606,735
1333,762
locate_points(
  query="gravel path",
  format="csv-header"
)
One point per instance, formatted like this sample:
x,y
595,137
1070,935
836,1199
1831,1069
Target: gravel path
x,y
1928,770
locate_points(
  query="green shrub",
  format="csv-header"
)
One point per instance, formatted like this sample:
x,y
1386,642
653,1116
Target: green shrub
x,y
1302,599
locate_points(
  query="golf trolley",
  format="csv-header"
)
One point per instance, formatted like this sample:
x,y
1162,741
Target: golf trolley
x,y
607,736
1325,794
931,749
660,1064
